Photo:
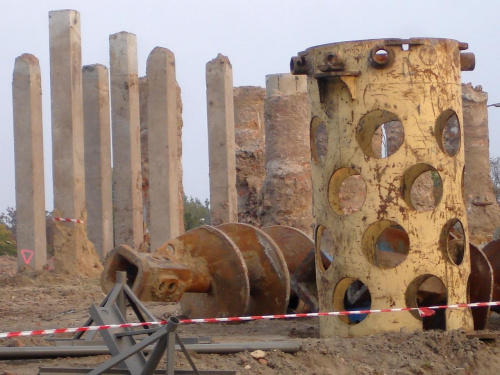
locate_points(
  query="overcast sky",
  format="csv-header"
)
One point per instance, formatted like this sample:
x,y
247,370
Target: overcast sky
x,y
258,36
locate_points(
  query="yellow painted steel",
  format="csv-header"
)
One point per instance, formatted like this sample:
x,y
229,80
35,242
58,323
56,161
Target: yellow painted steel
x,y
354,88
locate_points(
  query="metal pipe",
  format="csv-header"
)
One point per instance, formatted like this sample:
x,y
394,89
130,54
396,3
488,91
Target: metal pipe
x,y
121,279
36,352
169,355
236,347
165,343
118,371
467,61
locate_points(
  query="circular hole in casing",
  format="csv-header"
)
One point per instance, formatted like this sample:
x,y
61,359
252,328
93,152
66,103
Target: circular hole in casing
x,y
386,244
351,295
425,291
325,248
346,191
380,133
453,241
422,187
387,139
448,132
319,140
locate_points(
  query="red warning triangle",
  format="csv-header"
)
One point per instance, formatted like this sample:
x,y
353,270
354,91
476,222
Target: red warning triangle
x,y
27,255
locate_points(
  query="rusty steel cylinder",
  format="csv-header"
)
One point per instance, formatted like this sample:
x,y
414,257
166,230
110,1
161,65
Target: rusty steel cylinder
x,y
387,157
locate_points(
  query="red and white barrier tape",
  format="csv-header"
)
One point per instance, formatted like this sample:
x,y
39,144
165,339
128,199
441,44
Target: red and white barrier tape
x,y
422,311
69,220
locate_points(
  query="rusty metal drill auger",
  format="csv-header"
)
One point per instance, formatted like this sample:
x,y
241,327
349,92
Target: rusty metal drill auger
x,y
228,270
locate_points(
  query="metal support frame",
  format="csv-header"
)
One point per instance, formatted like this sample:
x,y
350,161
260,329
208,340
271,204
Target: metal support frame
x,y
128,354
119,296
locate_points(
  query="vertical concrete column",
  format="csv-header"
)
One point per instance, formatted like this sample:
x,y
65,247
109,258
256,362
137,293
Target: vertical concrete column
x,y
67,113
286,195
180,124
143,101
250,150
127,180
221,143
143,109
96,116
28,146
483,213
162,147
74,253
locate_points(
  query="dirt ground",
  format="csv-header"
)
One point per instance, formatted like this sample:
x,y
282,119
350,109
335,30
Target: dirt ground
x,y
47,300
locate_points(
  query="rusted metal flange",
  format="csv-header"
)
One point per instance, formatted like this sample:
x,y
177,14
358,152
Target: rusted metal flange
x,y
293,243
123,258
492,252
153,277
229,292
267,269
480,286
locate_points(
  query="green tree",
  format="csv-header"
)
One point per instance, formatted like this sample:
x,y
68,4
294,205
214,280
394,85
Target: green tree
x,y
7,242
196,213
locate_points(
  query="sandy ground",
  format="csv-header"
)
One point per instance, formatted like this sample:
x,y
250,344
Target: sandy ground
x,y
47,300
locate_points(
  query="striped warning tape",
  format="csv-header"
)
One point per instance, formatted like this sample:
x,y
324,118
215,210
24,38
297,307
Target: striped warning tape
x,y
422,311
69,220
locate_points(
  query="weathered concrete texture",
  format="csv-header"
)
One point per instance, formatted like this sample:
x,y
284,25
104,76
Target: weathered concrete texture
x,y
143,97
67,113
180,124
162,148
127,180
74,253
483,213
221,143
143,109
28,147
286,195
250,150
96,116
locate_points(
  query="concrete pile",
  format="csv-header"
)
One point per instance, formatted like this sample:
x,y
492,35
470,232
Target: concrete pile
x,y
250,150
